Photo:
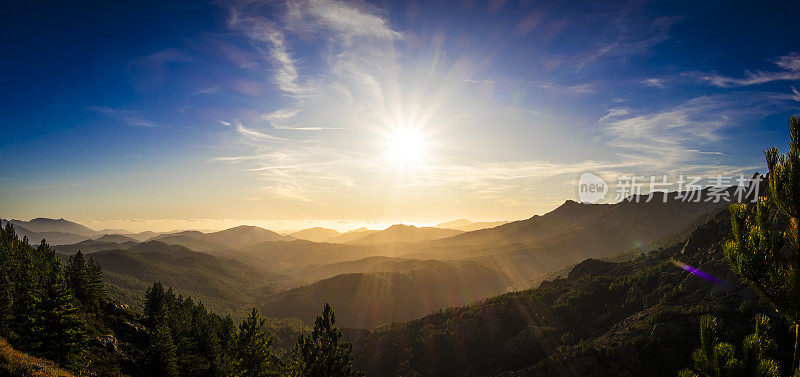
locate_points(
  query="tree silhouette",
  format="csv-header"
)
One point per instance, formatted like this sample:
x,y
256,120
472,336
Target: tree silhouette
x,y
769,260
323,353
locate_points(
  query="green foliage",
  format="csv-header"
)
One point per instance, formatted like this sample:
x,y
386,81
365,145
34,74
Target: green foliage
x,y
49,312
719,359
323,353
6,302
155,306
757,252
252,353
784,178
85,278
61,328
205,344
161,360
38,312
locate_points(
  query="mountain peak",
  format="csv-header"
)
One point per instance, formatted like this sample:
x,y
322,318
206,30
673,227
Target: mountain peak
x,y
44,224
401,227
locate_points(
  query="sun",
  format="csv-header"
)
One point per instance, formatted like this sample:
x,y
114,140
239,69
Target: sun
x,y
406,147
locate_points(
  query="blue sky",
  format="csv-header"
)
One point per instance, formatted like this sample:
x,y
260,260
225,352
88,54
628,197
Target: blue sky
x,y
247,111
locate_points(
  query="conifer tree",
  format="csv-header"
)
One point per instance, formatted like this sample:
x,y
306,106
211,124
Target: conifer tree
x,y
61,329
6,299
28,291
767,259
85,279
224,363
6,287
253,357
323,353
161,360
719,359
155,305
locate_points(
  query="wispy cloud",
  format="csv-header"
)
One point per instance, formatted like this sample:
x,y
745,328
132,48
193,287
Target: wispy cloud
x,y
267,36
253,134
208,90
629,32
790,71
795,94
577,89
346,20
687,135
615,112
129,117
653,82
45,187
278,118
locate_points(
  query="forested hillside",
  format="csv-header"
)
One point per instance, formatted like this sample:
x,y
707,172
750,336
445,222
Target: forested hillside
x,y
394,291
63,315
632,318
227,286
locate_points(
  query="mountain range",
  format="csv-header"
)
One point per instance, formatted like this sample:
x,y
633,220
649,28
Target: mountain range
x,y
583,288
633,317
405,233
221,241
401,273
468,226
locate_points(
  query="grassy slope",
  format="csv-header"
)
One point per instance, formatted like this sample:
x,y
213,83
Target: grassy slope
x,y
14,363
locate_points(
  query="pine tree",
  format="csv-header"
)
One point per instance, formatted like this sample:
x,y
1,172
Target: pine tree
x,y
31,268
161,360
252,353
155,305
94,274
769,260
224,362
719,359
323,353
85,280
61,328
6,304
7,236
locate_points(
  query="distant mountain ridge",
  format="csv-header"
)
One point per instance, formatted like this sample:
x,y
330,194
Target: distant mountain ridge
x,y
41,224
224,240
406,233
115,238
468,226
591,217
52,238
93,246
316,234
352,235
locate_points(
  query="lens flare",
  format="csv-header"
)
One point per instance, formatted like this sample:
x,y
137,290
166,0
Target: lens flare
x,y
697,272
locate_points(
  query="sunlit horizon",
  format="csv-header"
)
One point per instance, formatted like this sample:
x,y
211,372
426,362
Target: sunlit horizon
x,y
323,111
